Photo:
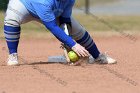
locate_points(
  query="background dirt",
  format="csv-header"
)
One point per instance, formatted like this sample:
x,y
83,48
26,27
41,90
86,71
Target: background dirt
x,y
34,75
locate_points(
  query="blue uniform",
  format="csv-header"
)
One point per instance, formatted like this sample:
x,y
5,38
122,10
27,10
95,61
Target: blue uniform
x,y
48,10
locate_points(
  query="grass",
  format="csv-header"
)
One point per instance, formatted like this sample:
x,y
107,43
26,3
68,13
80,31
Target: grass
x,y
125,23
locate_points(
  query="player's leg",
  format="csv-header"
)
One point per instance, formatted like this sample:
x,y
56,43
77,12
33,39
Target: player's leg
x,y
81,36
15,14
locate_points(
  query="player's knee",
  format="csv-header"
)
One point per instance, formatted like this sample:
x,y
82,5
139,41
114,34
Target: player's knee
x,y
78,31
12,21
77,35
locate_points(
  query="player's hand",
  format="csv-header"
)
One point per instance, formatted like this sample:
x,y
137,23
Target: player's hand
x,y
80,50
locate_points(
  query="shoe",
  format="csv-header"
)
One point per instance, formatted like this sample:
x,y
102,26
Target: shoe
x,y
91,60
13,59
105,59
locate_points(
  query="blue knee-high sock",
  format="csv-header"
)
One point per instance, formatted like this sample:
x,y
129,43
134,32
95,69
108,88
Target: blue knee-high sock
x,y
12,35
89,44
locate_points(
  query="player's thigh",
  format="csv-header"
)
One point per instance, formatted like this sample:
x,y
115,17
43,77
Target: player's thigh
x,y
16,14
78,30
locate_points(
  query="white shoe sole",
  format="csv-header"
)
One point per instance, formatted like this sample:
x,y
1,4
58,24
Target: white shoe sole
x,y
12,64
115,62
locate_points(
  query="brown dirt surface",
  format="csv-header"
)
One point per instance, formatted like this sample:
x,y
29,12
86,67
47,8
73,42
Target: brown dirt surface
x,y
34,75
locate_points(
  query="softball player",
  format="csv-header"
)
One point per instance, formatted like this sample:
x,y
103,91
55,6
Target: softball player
x,y
49,13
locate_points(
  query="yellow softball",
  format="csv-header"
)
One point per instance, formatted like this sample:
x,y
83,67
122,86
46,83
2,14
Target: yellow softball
x,y
73,56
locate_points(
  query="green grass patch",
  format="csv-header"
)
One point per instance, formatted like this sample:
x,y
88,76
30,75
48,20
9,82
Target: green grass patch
x,y
125,23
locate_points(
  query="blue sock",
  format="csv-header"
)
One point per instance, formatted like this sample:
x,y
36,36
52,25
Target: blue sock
x,y
87,42
12,35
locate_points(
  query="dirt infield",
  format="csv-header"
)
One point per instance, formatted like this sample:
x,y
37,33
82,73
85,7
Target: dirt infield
x,y
34,75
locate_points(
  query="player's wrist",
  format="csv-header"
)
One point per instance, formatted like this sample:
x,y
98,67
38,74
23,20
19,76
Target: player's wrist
x,y
72,44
